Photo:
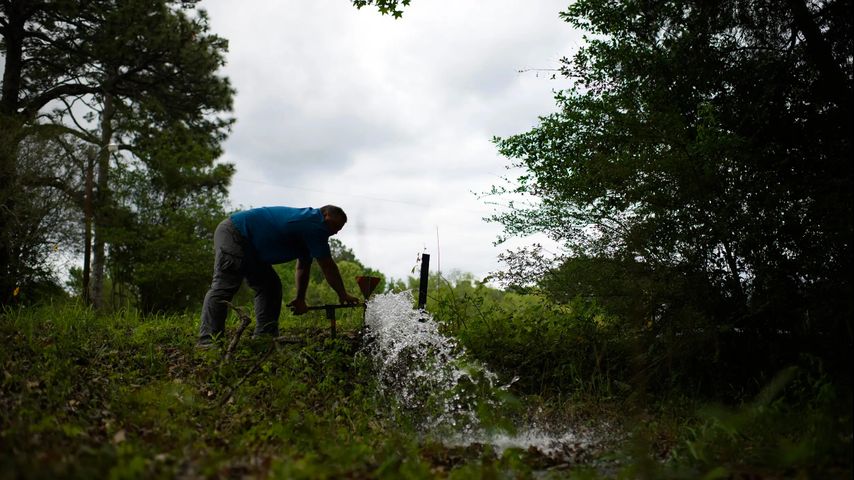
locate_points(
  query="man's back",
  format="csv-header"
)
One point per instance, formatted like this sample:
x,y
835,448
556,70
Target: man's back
x,y
282,234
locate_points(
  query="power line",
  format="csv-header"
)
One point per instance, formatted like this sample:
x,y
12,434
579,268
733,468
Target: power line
x,y
261,182
372,227
366,197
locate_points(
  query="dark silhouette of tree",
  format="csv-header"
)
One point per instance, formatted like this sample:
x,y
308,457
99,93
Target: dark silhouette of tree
x,y
699,173
104,73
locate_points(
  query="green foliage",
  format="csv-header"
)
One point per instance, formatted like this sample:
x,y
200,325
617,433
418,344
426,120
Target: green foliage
x,y
141,74
573,350
769,432
386,7
169,196
43,221
125,395
161,242
585,361
798,427
698,175
320,293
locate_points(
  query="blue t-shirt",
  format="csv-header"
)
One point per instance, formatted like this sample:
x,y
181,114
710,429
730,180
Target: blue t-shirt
x,y
282,234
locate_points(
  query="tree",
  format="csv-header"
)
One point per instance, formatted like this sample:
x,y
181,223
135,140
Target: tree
x,y
166,208
699,173
138,68
43,220
386,7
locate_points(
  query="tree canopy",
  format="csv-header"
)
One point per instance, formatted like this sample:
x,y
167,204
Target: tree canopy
x,y
699,171
386,7
141,76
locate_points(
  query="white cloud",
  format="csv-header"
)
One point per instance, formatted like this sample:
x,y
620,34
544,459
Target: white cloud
x,y
391,119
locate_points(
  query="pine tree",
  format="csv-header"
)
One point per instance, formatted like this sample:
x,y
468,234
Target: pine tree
x,y
133,68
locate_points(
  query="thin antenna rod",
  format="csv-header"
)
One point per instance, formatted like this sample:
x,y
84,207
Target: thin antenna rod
x,y
438,253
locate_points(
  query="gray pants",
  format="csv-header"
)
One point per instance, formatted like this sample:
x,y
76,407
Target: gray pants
x,y
236,260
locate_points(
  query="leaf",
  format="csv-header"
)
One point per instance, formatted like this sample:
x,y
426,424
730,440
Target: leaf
x,y
716,473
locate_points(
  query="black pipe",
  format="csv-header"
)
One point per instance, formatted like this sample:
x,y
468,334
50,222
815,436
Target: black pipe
x,y
422,284
343,305
330,312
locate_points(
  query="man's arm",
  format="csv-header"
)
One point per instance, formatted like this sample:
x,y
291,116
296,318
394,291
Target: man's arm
x,y
301,277
333,277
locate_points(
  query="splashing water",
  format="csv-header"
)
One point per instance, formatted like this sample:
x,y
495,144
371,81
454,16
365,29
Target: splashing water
x,y
425,371
433,381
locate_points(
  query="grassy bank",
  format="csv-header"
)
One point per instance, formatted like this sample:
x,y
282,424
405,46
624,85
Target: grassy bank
x,y
127,396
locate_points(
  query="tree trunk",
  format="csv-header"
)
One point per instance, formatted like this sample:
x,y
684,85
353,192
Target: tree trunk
x,y
820,54
99,247
13,38
7,207
88,173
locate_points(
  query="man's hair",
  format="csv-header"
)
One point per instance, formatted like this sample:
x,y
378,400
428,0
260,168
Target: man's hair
x,y
334,211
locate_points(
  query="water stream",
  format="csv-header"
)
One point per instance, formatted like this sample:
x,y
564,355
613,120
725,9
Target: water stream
x,y
448,395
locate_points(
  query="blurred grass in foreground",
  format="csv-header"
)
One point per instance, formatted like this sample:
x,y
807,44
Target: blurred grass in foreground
x,y
129,396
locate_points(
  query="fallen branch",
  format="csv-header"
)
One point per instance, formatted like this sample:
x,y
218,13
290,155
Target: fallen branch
x,y
245,320
247,375
278,341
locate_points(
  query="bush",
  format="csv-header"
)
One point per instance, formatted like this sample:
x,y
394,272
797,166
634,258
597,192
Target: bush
x,y
550,348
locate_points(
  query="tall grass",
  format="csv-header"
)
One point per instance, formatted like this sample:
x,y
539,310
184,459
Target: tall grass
x,y
126,395
577,359
129,396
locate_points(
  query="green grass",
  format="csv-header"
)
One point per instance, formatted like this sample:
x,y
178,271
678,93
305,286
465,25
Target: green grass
x,y
129,396
126,396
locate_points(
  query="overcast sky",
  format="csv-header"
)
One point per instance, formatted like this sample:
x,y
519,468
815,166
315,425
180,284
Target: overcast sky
x,y
390,119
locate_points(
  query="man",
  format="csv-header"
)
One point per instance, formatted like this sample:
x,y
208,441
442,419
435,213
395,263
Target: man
x,y
248,244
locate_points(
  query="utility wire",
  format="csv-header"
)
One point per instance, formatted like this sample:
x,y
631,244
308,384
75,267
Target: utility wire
x,y
377,199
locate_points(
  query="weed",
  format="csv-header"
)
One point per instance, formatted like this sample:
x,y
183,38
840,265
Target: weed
x,y
128,396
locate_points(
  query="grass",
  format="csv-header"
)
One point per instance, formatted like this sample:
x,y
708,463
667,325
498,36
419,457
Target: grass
x,y
126,396
129,396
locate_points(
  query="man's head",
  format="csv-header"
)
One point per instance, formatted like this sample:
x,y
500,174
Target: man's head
x,y
334,218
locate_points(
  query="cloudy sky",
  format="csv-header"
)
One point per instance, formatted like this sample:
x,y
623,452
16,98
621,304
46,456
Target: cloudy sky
x,y
390,119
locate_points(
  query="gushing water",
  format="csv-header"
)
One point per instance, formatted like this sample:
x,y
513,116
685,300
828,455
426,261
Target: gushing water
x,y
425,371
447,394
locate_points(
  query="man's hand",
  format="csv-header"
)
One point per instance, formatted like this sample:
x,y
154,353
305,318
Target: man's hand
x,y
298,306
348,299
333,277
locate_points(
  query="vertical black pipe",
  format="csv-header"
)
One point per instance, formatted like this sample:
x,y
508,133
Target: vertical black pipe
x,y
422,284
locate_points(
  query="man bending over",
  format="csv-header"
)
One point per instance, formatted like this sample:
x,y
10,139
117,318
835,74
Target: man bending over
x,y
249,243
